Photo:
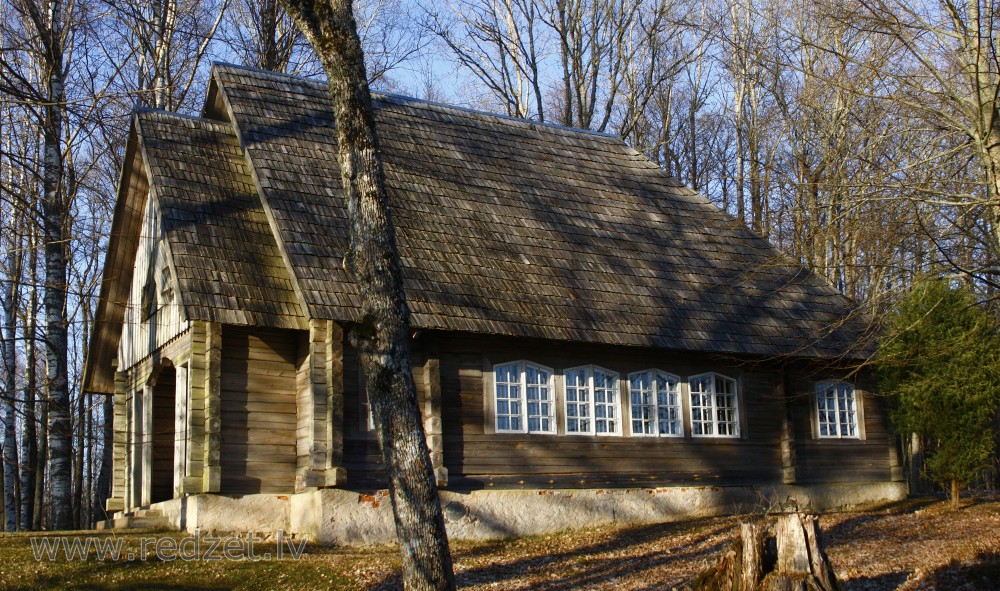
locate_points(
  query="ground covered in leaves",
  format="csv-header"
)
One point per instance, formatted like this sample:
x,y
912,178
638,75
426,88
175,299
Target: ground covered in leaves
x,y
908,546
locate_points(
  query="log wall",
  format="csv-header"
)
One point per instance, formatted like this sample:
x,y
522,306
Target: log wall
x,y
258,410
868,458
777,442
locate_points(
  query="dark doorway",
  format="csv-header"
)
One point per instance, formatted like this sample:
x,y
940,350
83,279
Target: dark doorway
x,y
164,394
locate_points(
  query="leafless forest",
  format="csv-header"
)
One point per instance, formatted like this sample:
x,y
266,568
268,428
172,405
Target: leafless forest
x,y
860,137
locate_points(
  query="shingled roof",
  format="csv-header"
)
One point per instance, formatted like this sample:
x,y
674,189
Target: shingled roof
x,y
505,227
226,260
512,227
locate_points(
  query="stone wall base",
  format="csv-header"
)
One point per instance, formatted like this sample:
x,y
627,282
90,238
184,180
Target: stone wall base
x,y
337,516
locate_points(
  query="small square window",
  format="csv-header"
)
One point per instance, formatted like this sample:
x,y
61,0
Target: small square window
x,y
836,410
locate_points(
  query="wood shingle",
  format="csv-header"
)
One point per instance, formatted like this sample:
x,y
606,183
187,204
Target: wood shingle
x,y
517,228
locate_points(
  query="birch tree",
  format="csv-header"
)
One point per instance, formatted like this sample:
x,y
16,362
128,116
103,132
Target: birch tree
x,y
11,271
383,332
47,38
158,47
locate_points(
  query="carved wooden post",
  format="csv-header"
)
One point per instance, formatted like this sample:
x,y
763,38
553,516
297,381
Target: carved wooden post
x,y
144,416
194,482
320,408
117,500
213,408
205,421
336,474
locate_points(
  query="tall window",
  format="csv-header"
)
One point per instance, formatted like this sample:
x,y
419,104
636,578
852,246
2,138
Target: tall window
x,y
836,409
714,406
592,401
656,405
524,396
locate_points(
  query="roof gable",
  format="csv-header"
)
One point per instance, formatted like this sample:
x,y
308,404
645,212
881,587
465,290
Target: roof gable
x,y
226,260
219,245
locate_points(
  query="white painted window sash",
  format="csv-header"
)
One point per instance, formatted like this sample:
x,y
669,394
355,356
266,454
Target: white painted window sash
x,y
513,412
646,399
836,410
714,415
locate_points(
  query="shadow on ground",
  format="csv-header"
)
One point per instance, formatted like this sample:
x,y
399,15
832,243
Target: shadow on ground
x,y
600,563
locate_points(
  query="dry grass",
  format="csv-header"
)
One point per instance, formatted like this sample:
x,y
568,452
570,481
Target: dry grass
x,y
909,546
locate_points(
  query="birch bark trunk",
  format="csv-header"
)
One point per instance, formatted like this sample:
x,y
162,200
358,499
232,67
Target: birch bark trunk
x,y
11,485
49,25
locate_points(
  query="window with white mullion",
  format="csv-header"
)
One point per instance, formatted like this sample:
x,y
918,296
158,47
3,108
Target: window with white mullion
x,y
714,406
524,398
836,410
726,415
509,398
541,406
702,408
579,418
606,419
592,401
655,404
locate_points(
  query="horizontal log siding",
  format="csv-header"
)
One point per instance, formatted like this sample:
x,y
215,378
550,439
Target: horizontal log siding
x,y
258,387
475,458
840,460
512,460
362,457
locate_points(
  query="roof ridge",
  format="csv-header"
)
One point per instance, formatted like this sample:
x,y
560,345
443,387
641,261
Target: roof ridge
x,y
228,127
413,101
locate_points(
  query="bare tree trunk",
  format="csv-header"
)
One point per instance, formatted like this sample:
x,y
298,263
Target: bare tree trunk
x,y
382,335
8,354
103,489
29,452
3,474
11,485
48,23
90,444
956,490
29,446
38,518
78,458
33,453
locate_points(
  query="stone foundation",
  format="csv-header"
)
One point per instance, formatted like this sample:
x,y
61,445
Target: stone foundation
x,y
338,516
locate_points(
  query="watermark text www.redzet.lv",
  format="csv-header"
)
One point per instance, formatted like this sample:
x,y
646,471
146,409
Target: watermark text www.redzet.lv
x,y
167,548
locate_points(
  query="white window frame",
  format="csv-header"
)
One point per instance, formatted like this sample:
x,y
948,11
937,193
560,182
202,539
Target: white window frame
x,y
713,407
823,391
678,407
522,385
591,404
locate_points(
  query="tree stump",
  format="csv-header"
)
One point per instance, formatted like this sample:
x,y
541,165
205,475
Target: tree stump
x,y
786,555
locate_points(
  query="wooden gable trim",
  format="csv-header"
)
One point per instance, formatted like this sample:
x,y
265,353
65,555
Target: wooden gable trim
x,y
116,282
433,424
179,294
